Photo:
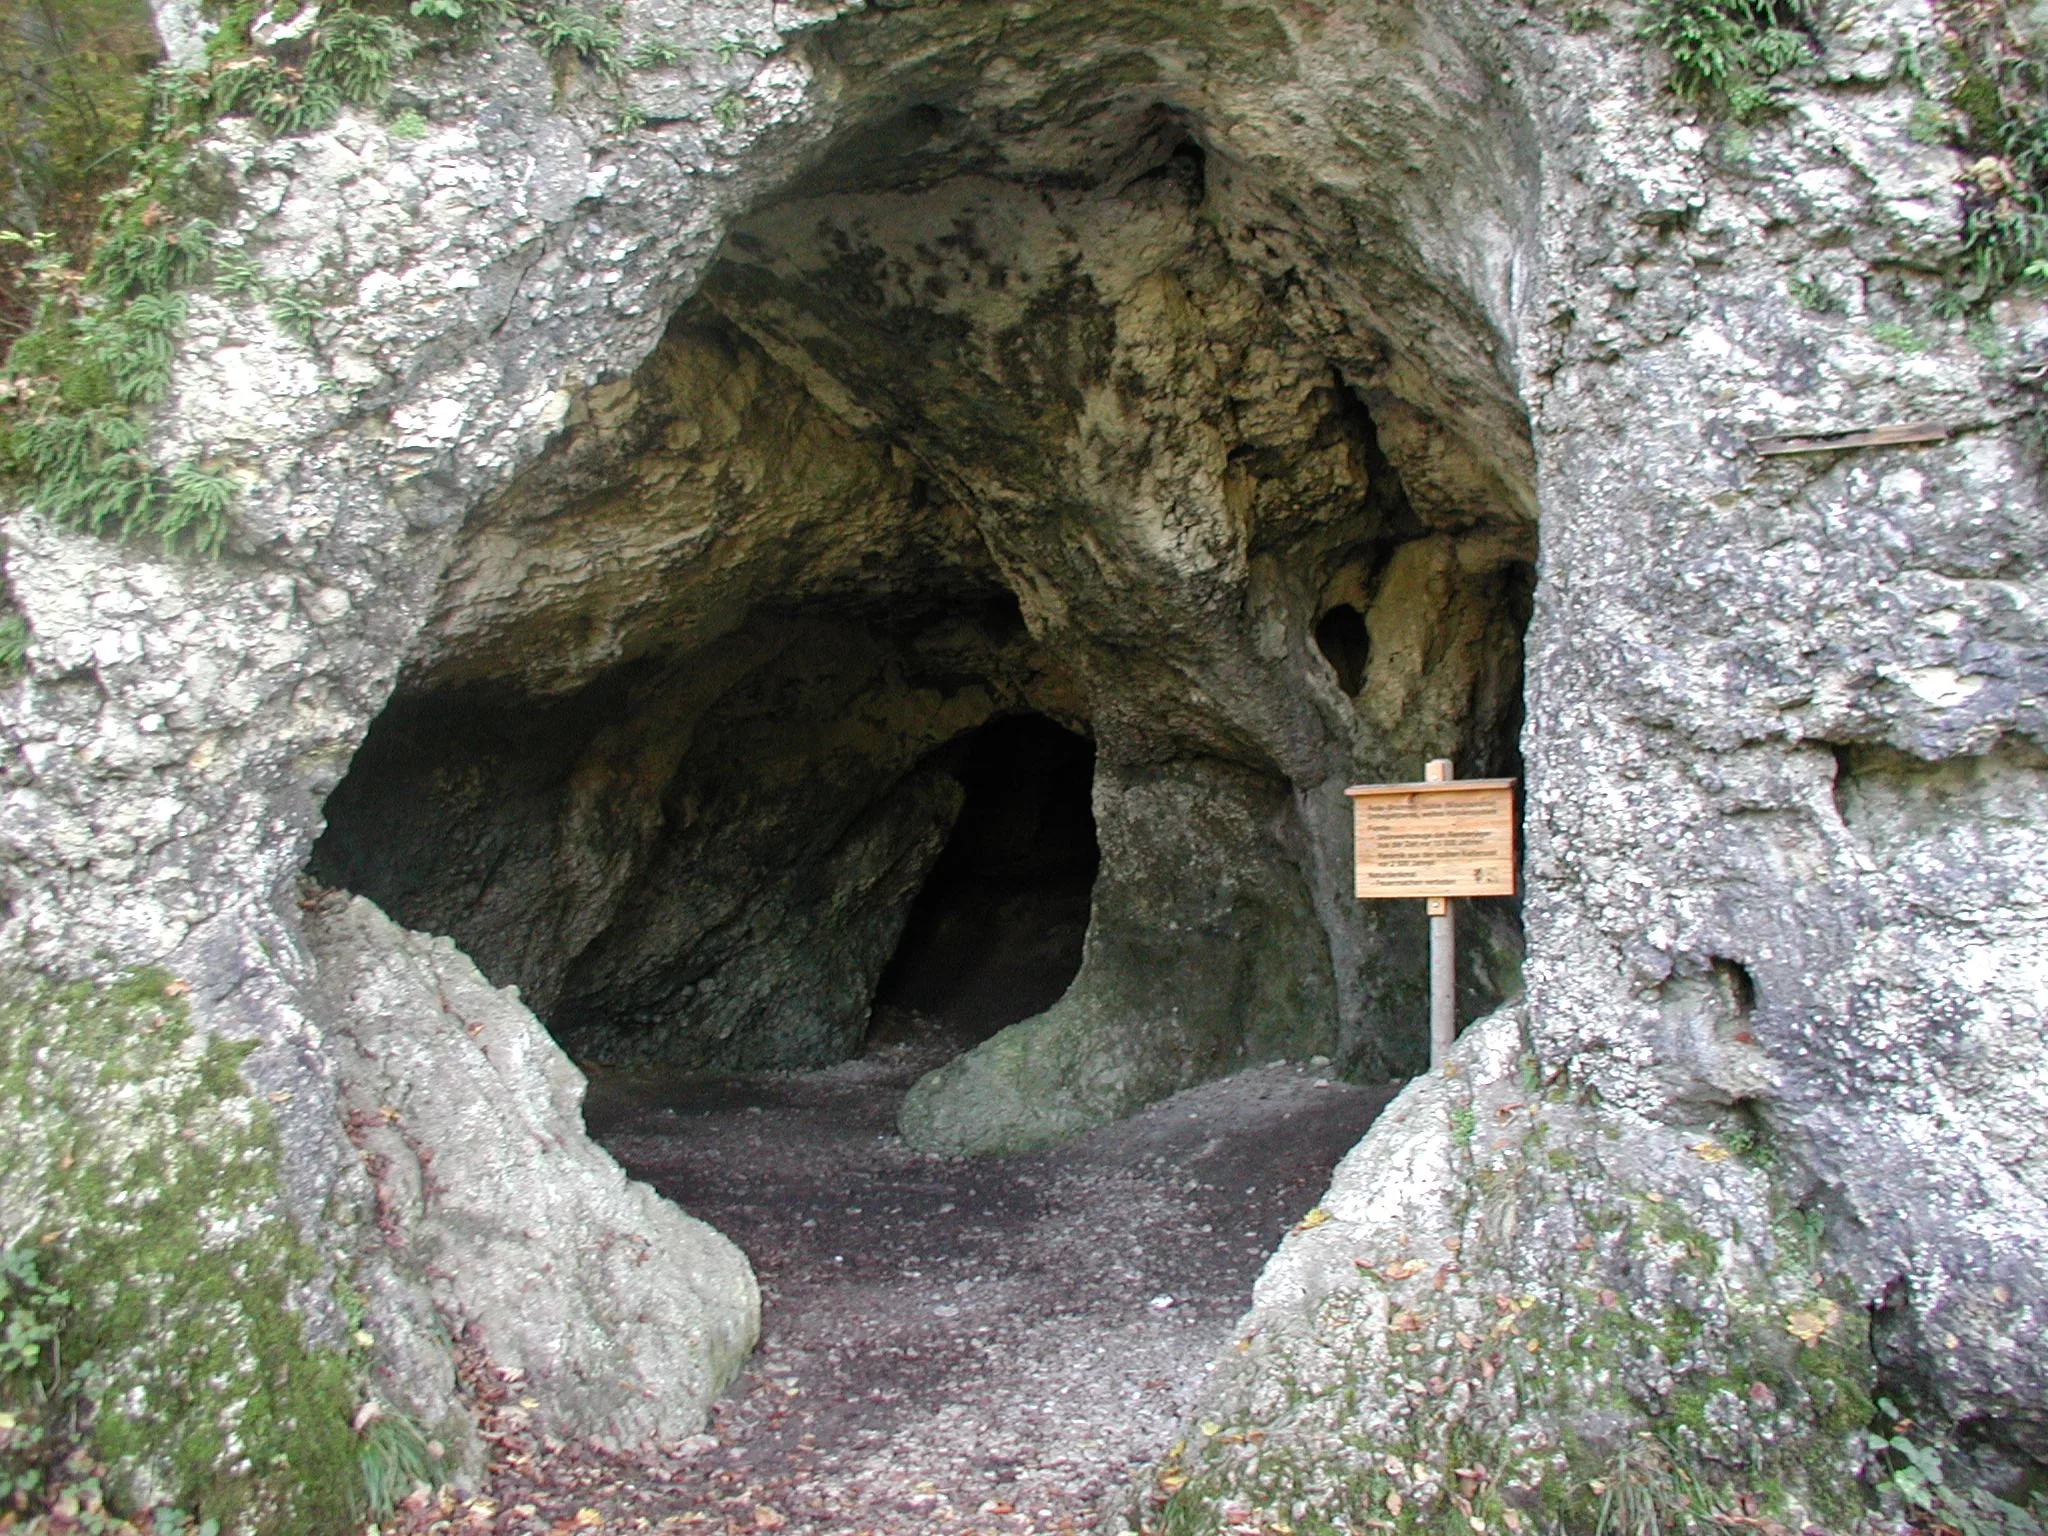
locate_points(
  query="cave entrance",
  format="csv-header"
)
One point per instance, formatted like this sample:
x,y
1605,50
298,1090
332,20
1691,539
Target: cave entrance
x,y
1114,417
995,934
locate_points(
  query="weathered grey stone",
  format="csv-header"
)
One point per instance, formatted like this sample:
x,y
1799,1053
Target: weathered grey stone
x,y
1508,1295
620,1316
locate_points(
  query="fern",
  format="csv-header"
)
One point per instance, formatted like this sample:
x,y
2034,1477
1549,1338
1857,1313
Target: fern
x,y
134,258
295,311
353,57
193,509
732,45
557,27
130,346
357,54
236,275
1729,51
87,468
654,54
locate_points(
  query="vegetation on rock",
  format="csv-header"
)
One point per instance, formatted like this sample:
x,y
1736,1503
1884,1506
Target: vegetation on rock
x,y
151,1353
1730,53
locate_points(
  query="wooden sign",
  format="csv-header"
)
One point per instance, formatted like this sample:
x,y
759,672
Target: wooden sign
x,y
1453,838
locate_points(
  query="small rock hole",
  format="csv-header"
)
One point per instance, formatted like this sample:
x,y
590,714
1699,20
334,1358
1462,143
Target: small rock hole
x,y
1740,986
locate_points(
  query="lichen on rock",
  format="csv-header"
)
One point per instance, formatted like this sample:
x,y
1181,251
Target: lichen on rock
x,y
142,1171
1521,1309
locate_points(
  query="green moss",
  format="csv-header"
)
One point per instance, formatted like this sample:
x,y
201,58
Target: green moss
x,y
146,1175
1641,1406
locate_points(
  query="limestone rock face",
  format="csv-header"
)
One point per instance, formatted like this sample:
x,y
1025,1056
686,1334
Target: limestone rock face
x,y
623,1316
680,468
1587,1295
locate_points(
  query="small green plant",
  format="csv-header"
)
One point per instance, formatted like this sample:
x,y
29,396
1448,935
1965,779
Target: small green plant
x,y
295,310
653,53
1809,1229
394,1459
195,508
235,275
730,110
1928,124
1900,338
590,38
1585,18
464,16
1463,1123
1811,294
1913,1473
14,638
350,61
1648,1490
31,1315
407,126
732,45
1730,52
1750,1145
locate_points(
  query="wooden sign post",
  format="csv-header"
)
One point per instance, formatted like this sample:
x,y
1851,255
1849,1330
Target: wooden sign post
x,y
1440,839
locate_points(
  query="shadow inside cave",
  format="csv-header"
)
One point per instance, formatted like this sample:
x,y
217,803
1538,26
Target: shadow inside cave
x,y
995,934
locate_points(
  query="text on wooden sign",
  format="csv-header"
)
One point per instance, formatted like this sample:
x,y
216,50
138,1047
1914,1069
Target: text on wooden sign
x,y
1449,839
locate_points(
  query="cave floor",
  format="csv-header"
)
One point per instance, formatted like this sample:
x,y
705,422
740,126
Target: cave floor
x,y
949,1345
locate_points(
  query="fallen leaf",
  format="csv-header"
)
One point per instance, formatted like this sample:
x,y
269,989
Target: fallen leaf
x,y
1394,1502
1406,1322
1809,1325
1710,1151
1314,1218
1401,1269
767,1518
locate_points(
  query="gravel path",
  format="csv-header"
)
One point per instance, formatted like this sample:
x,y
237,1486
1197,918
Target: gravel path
x,y
949,1345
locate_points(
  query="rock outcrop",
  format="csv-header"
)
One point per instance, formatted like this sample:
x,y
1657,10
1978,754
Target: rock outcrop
x,y
1511,1302
620,1317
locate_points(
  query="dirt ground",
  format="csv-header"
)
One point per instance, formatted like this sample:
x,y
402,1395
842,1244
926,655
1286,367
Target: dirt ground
x,y
949,1345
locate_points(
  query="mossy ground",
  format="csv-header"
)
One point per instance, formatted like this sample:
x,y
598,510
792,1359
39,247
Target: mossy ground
x,y
143,1174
